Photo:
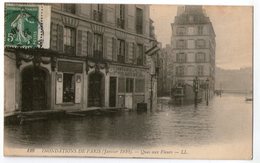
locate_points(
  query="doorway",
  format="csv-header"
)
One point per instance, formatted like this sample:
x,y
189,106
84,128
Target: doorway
x,y
112,92
34,89
96,89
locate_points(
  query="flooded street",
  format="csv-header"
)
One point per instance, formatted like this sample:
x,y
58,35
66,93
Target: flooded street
x,y
227,120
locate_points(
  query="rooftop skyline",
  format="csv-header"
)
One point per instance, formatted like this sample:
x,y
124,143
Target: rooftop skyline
x,y
232,25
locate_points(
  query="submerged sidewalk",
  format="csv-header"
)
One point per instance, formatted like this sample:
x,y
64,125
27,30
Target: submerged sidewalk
x,y
21,117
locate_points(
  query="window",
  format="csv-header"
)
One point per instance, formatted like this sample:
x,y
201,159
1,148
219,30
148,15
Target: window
x,y
180,71
190,30
139,85
121,85
180,31
200,43
71,8
181,57
191,44
191,18
69,37
200,70
200,30
200,57
68,87
140,54
98,46
129,85
180,44
121,19
97,12
139,21
121,51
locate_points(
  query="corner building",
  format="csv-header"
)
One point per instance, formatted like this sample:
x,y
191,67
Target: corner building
x,y
96,58
193,47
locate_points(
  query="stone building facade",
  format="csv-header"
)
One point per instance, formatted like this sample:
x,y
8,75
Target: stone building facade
x,y
193,47
96,58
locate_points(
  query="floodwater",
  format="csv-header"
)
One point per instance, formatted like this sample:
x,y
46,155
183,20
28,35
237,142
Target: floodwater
x,y
227,119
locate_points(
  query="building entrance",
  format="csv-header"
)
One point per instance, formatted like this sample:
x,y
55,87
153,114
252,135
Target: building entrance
x,y
33,89
112,92
96,89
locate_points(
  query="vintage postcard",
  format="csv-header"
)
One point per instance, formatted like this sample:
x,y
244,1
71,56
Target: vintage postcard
x,y
128,80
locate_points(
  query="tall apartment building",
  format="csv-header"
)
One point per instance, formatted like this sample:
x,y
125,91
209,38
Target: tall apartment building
x,y
193,47
96,58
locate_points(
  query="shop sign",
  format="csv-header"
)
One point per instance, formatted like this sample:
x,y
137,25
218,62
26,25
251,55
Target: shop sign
x,y
126,71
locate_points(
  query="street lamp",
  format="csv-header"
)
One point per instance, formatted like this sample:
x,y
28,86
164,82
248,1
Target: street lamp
x,y
207,90
195,89
151,95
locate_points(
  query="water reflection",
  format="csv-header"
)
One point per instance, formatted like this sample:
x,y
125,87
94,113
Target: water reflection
x,y
223,120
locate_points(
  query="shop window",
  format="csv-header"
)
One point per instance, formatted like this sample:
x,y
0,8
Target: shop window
x,y
68,87
139,85
129,85
121,85
69,37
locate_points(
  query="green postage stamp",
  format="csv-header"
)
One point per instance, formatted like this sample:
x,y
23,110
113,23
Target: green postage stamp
x,y
21,26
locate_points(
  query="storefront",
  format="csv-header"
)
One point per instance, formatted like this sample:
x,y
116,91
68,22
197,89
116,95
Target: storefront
x,y
69,84
127,86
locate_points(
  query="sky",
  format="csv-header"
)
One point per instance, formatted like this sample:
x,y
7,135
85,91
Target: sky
x,y
232,25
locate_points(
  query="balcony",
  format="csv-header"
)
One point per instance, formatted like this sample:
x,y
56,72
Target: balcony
x,y
97,15
120,23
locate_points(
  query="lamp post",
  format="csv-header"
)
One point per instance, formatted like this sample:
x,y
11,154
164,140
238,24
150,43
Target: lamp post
x,y
207,91
152,77
195,89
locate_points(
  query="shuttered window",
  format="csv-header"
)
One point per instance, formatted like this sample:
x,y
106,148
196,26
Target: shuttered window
x,y
90,43
60,38
79,42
